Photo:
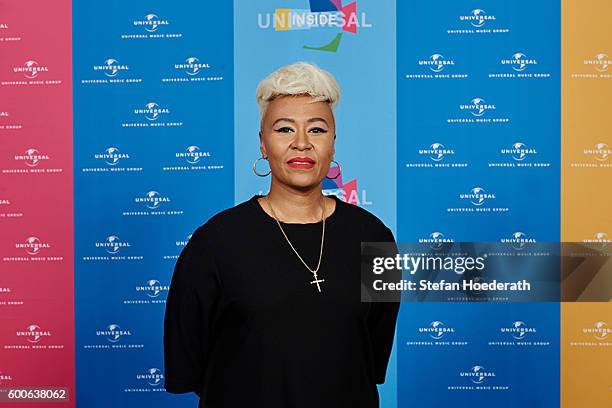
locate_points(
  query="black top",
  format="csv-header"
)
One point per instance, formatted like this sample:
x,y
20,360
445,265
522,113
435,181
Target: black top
x,y
244,327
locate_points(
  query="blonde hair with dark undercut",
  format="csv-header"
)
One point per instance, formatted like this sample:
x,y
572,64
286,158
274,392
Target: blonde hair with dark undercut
x,y
299,78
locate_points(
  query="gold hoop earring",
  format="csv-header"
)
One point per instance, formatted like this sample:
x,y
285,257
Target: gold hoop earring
x,y
255,167
339,171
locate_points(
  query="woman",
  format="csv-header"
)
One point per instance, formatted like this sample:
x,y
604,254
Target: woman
x,y
264,307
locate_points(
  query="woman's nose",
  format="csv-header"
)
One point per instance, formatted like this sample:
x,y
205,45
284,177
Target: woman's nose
x,y
301,138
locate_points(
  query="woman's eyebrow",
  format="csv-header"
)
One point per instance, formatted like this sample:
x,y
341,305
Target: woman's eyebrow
x,y
283,119
316,120
293,121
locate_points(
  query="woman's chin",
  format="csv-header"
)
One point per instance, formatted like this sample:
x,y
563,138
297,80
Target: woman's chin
x,y
303,183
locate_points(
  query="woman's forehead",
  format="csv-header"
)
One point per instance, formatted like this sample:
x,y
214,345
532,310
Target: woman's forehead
x,y
298,108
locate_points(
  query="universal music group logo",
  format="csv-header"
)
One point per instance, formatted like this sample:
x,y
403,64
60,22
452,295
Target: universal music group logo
x,y
111,67
436,330
518,334
597,156
601,238
193,158
437,66
478,107
153,114
597,335
31,73
437,62
521,66
596,67
600,331
192,69
113,244
150,26
177,246
518,330
5,33
478,378
32,157
5,378
8,210
193,154
153,288
153,200
33,246
478,111
436,155
478,199
33,249
112,248
112,156
519,240
479,22
32,161
7,115
114,160
34,338
436,333
149,380
113,336
154,291
436,240
154,204
111,71
519,154
31,69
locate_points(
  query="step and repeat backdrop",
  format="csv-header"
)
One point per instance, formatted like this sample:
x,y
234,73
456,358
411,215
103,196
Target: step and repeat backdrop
x,y
126,125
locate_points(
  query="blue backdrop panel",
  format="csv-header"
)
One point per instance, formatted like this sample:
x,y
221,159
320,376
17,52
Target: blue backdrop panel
x,y
154,159
470,354
478,160
473,151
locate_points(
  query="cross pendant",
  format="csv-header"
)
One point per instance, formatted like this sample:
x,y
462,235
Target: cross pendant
x,y
317,280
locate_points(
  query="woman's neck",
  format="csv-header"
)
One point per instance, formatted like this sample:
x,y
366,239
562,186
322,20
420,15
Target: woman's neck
x,y
297,206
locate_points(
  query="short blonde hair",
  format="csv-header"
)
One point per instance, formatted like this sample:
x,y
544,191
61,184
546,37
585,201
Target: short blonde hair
x,y
299,78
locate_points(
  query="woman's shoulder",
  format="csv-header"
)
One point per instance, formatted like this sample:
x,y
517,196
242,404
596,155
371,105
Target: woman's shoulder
x,y
369,223
231,219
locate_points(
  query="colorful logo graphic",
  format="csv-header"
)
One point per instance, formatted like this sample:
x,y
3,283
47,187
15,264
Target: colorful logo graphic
x,y
321,14
348,192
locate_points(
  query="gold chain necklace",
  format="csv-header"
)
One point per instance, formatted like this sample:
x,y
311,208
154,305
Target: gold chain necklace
x,y
314,272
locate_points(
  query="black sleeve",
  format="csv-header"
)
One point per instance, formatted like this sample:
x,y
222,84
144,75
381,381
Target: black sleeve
x,y
187,322
381,323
